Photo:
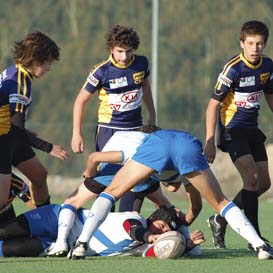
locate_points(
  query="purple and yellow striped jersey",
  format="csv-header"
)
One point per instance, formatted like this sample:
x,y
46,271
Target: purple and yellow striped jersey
x,y
15,94
120,91
239,87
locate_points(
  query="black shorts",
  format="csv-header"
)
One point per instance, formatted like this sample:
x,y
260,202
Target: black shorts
x,y
94,186
6,151
243,141
22,152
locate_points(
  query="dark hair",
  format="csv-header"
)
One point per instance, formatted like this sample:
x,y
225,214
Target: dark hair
x,y
148,129
125,37
35,48
168,215
254,28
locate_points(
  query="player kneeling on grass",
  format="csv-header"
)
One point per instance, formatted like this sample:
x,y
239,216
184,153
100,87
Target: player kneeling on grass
x,y
31,233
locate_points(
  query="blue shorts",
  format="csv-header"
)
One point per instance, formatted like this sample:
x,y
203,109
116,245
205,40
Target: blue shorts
x,y
172,150
108,171
43,223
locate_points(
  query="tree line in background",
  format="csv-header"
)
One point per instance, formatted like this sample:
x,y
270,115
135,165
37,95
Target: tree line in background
x,y
195,39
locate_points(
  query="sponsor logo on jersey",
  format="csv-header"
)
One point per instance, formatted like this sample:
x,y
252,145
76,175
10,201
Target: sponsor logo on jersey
x,y
35,216
247,81
254,97
130,96
248,100
92,80
264,77
114,107
224,80
18,98
139,77
117,83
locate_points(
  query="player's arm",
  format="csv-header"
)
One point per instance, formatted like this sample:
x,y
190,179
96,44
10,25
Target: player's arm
x,y
94,159
138,232
211,120
148,100
18,128
79,108
269,100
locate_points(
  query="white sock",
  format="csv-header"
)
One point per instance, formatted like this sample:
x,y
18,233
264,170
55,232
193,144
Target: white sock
x,y
239,223
65,222
98,212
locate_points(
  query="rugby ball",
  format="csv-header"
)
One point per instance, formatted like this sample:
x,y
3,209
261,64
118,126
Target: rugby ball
x,y
170,245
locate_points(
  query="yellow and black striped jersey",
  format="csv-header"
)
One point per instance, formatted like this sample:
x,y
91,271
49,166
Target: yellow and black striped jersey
x,y
15,94
239,87
120,91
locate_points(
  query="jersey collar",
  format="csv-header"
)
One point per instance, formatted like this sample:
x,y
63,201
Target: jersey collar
x,y
118,65
249,64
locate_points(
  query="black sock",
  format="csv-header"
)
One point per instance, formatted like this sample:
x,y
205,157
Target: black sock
x,y
251,204
47,202
237,200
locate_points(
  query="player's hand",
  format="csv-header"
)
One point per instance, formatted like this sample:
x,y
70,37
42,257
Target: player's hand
x,y
77,144
153,237
197,237
59,152
210,151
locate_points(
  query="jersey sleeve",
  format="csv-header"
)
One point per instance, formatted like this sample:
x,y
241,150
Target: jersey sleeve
x,y
225,81
93,81
136,230
19,94
147,71
268,88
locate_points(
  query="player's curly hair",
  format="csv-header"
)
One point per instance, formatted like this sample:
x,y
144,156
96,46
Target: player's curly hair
x,y
148,128
35,48
254,28
168,215
122,36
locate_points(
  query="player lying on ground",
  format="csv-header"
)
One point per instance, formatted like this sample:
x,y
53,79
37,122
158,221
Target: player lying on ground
x,y
165,150
119,149
31,233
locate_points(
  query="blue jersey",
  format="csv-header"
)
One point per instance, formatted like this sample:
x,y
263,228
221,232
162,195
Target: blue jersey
x,y
15,94
239,87
111,238
167,150
120,91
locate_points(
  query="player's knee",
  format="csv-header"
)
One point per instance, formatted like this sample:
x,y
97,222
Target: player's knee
x,y
41,178
264,187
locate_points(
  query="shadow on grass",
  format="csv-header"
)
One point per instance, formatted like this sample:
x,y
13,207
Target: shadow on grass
x,y
213,254
224,253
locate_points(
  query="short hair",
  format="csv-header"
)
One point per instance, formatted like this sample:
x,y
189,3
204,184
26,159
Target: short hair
x,y
254,28
168,215
35,48
122,36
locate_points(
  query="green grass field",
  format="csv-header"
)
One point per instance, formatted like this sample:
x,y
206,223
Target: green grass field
x,y
235,259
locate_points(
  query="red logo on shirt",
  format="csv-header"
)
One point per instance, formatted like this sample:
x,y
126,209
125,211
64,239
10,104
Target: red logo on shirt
x,y
129,96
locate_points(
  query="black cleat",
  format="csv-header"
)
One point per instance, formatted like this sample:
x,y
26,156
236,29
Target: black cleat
x,y
218,231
